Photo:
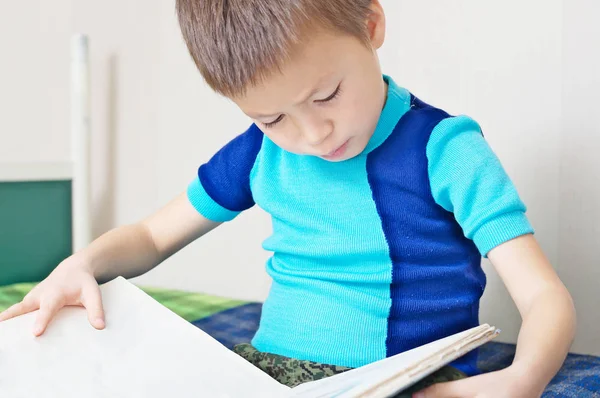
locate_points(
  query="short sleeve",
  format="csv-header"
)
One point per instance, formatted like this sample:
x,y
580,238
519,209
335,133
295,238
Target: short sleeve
x,y
221,190
468,180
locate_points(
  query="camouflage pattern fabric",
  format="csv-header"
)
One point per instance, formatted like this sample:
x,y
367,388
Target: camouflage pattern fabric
x,y
292,372
288,371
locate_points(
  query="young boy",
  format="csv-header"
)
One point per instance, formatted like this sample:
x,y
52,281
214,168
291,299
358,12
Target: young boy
x,y
382,205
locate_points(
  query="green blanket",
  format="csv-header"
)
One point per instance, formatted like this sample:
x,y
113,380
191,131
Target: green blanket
x,y
190,306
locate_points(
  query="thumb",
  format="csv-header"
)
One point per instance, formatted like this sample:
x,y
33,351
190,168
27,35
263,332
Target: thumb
x,y
91,298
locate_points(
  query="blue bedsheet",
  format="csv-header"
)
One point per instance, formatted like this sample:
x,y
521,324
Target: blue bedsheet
x,y
578,378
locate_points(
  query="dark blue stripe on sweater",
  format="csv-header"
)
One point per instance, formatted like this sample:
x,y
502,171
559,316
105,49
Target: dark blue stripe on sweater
x,y
436,278
226,177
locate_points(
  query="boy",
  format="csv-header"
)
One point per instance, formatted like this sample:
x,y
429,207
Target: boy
x,y
382,205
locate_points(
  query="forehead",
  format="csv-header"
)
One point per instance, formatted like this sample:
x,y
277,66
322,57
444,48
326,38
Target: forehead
x,y
315,64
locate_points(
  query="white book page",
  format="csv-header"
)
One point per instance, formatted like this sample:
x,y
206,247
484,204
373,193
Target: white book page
x,y
145,351
358,382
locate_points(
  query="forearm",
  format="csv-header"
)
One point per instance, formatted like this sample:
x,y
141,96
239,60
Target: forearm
x,y
545,337
545,306
133,250
127,251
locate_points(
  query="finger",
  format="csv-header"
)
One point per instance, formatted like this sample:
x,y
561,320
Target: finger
x,y
21,308
452,389
48,310
91,298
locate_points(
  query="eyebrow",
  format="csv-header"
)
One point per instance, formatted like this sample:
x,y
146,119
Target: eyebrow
x,y
312,92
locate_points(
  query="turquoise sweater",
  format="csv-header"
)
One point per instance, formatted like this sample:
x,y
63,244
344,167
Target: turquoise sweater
x,y
377,254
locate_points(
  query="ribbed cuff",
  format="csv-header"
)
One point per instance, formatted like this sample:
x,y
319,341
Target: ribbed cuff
x,y
501,229
206,206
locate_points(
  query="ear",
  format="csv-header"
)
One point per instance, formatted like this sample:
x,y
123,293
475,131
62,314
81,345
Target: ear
x,y
376,24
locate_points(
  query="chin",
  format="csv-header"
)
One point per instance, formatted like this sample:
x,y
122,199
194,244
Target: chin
x,y
336,160
347,156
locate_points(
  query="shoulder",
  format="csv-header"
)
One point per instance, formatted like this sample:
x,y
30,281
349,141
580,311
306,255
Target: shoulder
x,y
248,142
440,128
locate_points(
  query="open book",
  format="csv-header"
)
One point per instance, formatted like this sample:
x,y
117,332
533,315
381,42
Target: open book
x,y
148,351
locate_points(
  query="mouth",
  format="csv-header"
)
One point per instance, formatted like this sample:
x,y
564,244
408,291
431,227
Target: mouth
x,y
337,153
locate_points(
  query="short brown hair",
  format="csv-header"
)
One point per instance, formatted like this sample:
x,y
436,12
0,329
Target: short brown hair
x,y
237,43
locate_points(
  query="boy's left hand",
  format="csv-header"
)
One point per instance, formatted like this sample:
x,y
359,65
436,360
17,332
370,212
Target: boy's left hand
x,y
510,382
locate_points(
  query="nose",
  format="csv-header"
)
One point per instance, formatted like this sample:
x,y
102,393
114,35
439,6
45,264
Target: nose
x,y
316,131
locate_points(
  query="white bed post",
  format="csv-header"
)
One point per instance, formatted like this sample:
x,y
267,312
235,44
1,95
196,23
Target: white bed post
x,y
80,141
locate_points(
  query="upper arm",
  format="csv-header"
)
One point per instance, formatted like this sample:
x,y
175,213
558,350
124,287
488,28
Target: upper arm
x,y
176,225
525,271
221,190
468,180
218,193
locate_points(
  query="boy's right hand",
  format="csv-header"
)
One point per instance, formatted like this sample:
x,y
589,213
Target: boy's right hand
x,y
71,283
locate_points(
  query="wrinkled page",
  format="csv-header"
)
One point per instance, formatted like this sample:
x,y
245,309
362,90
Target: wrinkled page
x,y
145,351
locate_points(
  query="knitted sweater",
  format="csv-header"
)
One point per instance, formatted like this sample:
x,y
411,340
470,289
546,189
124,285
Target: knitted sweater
x,y
377,254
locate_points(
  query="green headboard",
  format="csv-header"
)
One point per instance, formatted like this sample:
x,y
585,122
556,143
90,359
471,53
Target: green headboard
x,y
35,229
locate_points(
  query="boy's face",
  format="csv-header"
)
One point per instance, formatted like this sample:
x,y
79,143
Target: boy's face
x,y
326,101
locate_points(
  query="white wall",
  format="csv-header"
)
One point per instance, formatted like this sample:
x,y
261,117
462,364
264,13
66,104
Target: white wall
x,y
580,168
34,75
154,121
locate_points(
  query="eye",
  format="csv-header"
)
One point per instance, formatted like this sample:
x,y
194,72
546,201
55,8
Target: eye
x,y
332,96
274,122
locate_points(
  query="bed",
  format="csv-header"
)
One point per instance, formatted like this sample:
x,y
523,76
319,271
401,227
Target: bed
x,y
232,322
